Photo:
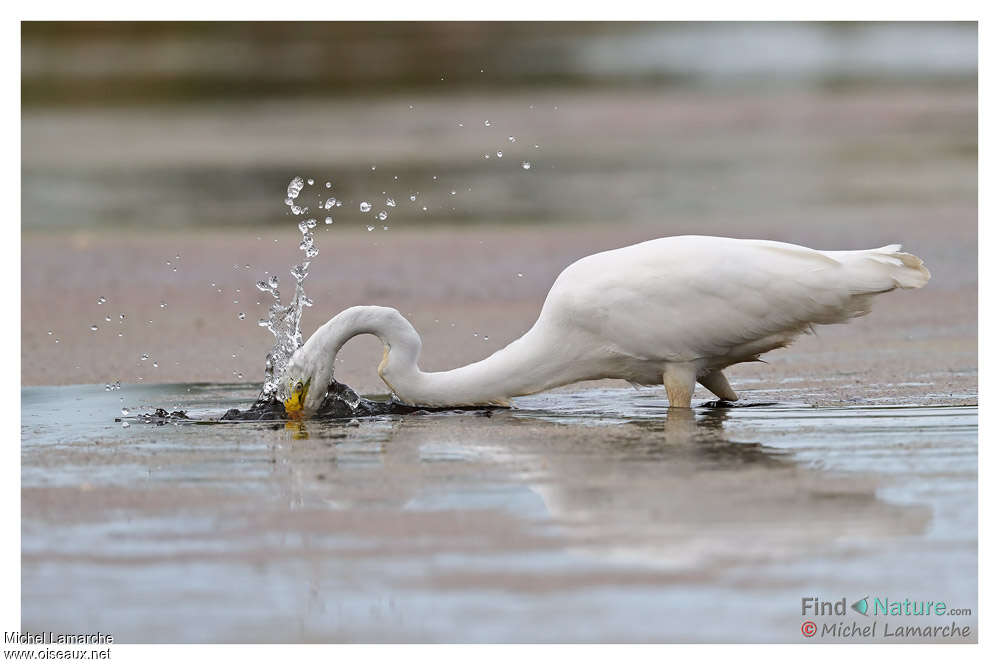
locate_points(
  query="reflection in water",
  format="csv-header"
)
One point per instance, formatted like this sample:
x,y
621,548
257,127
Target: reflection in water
x,y
575,500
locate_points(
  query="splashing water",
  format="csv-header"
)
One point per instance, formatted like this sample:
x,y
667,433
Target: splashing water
x,y
284,321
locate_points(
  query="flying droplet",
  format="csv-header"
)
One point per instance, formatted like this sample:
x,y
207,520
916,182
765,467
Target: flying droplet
x,y
311,181
390,202
329,220
156,364
412,197
241,316
499,153
101,300
383,215
108,318
144,356
162,305
124,411
526,166
329,184
511,139
94,327
50,332
520,274
365,206
125,424
487,123
371,228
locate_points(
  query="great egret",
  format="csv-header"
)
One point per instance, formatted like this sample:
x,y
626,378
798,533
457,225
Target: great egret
x,y
672,311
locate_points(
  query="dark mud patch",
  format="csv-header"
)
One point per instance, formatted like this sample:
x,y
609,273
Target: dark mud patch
x,y
341,402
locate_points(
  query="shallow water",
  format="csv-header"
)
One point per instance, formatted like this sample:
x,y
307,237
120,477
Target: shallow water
x,y
576,516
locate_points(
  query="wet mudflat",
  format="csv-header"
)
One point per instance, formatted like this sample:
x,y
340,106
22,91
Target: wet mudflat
x,y
583,515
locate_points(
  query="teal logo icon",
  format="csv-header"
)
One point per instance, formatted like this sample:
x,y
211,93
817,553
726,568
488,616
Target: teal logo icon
x,y
861,606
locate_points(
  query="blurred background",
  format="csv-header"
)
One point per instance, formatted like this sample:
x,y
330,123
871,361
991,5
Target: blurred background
x,y
155,158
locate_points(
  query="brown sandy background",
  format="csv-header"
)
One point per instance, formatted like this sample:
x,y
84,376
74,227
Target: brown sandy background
x,y
834,170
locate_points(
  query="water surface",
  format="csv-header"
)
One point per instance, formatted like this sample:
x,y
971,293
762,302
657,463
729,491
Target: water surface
x,y
582,515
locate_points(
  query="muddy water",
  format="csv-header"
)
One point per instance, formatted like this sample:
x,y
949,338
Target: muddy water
x,y
582,515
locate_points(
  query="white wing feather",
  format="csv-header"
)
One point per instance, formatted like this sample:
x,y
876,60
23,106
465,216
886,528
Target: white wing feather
x,y
688,297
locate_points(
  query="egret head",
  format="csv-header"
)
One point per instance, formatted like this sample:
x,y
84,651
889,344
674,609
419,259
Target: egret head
x,y
303,386
294,403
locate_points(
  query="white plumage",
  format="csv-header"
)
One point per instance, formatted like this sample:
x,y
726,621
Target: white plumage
x,y
673,311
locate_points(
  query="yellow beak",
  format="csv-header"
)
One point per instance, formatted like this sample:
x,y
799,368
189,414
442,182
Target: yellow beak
x,y
294,406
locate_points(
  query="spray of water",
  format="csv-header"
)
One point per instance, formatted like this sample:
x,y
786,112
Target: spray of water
x,y
284,321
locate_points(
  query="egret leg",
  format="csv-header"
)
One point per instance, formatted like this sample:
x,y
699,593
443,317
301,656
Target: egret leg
x,y
679,381
717,383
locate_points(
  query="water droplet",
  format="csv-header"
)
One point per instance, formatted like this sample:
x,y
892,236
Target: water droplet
x,y
499,153
57,340
121,317
511,139
311,181
453,192
156,364
124,411
383,215
486,156
520,274
241,316
330,202
412,197
50,332
125,424
101,300
365,206
485,338
371,228
94,327
294,188
390,202
487,123
329,220
162,305
373,167
144,356
329,184
108,318
526,165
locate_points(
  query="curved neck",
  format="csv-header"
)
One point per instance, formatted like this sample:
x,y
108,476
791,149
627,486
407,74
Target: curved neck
x,y
525,366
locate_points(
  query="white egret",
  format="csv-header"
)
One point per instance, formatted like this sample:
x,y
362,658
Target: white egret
x,y
673,311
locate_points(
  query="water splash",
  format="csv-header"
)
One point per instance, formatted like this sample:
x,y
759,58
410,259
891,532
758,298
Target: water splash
x,y
284,321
